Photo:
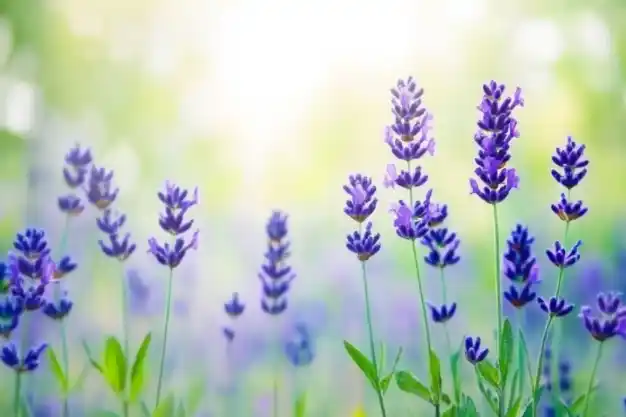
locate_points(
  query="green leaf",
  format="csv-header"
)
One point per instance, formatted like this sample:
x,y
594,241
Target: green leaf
x,y
145,411
468,408
57,371
456,379
445,399
80,380
528,410
579,402
115,365
450,412
436,382
137,379
196,393
382,358
385,381
506,352
524,348
364,364
166,407
92,361
514,408
299,407
180,410
514,395
487,393
488,373
408,383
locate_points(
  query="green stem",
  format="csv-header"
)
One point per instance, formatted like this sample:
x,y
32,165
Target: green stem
x,y
496,243
542,346
64,343
591,379
17,394
370,330
125,335
166,326
444,296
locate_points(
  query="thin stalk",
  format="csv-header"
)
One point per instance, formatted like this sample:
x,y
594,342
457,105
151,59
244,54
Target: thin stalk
x,y
125,335
368,314
17,393
444,296
418,275
166,327
275,393
594,370
64,343
496,244
542,346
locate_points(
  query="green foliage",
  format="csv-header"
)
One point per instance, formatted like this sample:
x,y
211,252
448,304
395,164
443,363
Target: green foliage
x,y
137,373
299,406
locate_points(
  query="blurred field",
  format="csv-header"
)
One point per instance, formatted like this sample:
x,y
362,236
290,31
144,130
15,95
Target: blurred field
x,y
267,105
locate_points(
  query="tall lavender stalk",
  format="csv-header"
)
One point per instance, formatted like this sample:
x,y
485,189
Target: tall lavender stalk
x,y
365,244
177,203
276,276
233,309
496,130
571,160
409,140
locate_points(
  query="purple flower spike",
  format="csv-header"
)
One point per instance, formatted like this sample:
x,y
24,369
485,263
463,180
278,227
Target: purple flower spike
x,y
473,352
442,313
12,359
58,310
611,320
569,211
555,307
8,326
412,224
177,204
362,201
561,258
118,249
364,245
110,223
71,205
519,298
77,163
497,128
276,275
572,161
100,191
234,307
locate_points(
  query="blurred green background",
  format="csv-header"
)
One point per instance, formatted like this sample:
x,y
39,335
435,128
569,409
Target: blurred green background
x,y
271,104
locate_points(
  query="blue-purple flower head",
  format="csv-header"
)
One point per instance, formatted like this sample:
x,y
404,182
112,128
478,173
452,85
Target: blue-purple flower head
x,y
413,224
234,307
361,201
299,347
474,351
29,362
442,243
33,256
59,309
496,129
555,307
563,258
520,267
276,274
77,163
610,322
408,136
100,190
571,164
71,205
177,202
442,313
364,244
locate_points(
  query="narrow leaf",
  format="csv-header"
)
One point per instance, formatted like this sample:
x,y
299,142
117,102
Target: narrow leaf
x,y
57,371
513,409
524,348
450,412
386,381
513,395
145,411
364,364
137,378
299,407
469,408
487,393
579,402
166,407
488,373
80,380
408,383
115,365
435,376
92,361
180,410
506,352
456,379
382,358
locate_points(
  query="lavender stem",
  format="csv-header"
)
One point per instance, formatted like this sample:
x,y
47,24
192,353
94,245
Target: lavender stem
x,y
166,325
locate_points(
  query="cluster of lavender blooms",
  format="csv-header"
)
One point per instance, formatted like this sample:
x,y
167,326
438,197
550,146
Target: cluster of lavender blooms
x,y
494,179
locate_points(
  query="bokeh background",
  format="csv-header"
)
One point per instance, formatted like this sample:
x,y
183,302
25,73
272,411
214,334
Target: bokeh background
x,y
270,105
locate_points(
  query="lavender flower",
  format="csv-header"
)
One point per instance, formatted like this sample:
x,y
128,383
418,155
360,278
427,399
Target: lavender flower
x,y
497,128
441,242
233,309
8,326
442,313
110,223
58,310
520,267
474,353
571,160
364,245
560,257
77,163
12,359
71,205
276,275
177,203
100,191
362,201
612,319
299,348
412,224
556,307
